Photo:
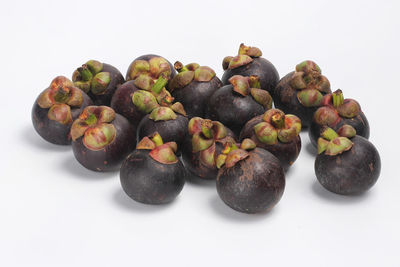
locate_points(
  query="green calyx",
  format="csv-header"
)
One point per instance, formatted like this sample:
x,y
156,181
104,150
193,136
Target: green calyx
x,y
100,82
347,108
162,114
153,68
90,77
190,72
251,85
244,57
160,152
144,101
233,153
205,131
332,144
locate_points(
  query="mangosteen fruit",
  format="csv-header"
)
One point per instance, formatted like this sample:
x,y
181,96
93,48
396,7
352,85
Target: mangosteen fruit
x,y
206,139
301,92
56,108
235,104
193,86
98,80
152,173
249,62
336,112
251,179
347,164
276,132
101,138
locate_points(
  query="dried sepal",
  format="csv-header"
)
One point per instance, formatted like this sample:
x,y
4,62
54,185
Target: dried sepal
x,y
199,143
349,109
274,112
347,131
144,101
100,82
106,114
207,156
194,125
225,62
146,143
182,79
249,51
60,113
44,99
247,144
204,74
75,98
192,66
235,156
310,97
266,133
219,130
240,84
162,114
178,108
144,82
78,128
322,144
163,154
338,146
238,61
297,81
98,137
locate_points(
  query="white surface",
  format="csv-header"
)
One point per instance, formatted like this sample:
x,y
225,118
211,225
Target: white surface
x,y
56,213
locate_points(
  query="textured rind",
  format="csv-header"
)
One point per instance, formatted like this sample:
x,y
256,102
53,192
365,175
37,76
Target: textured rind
x,y
53,131
148,181
287,153
110,157
252,185
232,110
260,67
352,172
194,97
285,98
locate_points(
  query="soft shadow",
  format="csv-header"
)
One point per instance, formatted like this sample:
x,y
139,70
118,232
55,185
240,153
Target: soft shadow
x,y
311,149
32,138
73,167
230,214
126,203
197,181
321,192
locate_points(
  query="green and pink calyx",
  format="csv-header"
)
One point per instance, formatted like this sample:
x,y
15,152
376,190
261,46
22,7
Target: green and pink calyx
x,y
276,126
244,57
160,152
190,72
251,86
334,143
95,127
90,77
233,153
309,82
152,69
205,135
59,98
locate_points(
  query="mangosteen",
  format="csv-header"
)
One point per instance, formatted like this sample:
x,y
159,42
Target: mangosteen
x,y
101,138
336,112
98,80
193,86
250,181
206,139
301,92
56,108
151,66
235,104
152,174
276,132
347,163
249,62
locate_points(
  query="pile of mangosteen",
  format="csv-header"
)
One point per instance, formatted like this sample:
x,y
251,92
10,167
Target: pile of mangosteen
x,y
166,122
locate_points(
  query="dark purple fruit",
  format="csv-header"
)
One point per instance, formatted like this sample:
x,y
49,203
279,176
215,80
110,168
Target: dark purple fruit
x,y
249,62
56,108
346,165
102,138
235,104
251,181
171,126
205,141
276,132
152,174
193,86
335,113
301,92
98,80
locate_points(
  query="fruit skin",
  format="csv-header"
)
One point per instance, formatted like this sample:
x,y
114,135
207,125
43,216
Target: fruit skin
x,y
287,153
147,58
254,184
110,157
359,122
148,181
195,96
260,67
170,130
122,102
192,160
231,109
352,172
53,131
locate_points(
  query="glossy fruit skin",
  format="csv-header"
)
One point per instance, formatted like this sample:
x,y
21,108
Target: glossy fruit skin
x,y
192,160
170,131
117,79
53,131
287,153
254,184
232,109
285,99
110,157
352,172
148,181
260,67
122,102
359,123
194,96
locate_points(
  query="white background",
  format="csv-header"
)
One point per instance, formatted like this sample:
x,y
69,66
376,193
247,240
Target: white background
x,y
53,212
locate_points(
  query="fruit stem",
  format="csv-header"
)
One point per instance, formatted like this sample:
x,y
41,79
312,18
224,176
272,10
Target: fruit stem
x,y
337,98
278,120
157,139
86,74
180,67
91,120
160,84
